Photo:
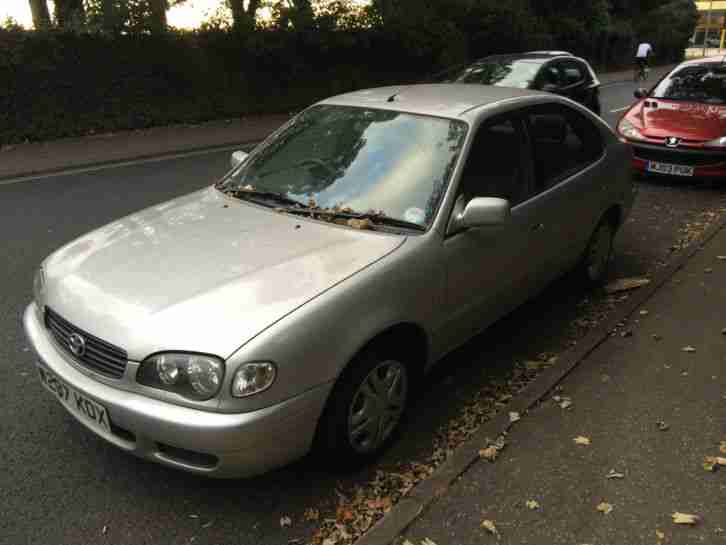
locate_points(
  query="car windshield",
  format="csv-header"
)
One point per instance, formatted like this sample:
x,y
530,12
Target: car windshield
x,y
699,83
360,160
503,73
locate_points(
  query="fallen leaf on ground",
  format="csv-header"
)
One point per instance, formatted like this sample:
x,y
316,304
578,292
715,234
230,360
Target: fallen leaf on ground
x,y
514,416
532,504
688,349
489,526
626,284
311,514
685,518
614,475
723,331
708,270
379,503
605,508
660,535
285,522
722,448
533,365
662,426
104,530
427,541
207,524
644,312
721,257
489,453
656,337
581,440
406,542
712,462
565,404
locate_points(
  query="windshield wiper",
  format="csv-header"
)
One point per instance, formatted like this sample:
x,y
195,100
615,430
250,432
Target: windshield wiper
x,y
269,196
375,219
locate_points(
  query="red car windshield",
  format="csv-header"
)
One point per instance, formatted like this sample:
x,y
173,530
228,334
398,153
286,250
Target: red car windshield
x,y
695,83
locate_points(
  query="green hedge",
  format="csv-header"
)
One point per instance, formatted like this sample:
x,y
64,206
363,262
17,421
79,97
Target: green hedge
x,y
57,84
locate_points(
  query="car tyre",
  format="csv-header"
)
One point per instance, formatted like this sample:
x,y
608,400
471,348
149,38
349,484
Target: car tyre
x,y
595,262
365,410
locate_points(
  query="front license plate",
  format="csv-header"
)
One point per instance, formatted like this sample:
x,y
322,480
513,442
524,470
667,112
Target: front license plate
x,y
83,408
667,168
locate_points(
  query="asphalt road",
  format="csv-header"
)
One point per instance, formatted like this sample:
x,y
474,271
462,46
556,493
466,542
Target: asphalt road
x,y
61,485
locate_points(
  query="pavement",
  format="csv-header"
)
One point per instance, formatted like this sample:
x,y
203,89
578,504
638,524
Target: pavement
x,y
46,158
651,401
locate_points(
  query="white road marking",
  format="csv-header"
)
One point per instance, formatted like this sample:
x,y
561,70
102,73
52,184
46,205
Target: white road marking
x,y
620,109
119,164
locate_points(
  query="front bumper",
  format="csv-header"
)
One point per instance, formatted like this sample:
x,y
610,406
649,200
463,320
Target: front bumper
x,y
706,163
203,442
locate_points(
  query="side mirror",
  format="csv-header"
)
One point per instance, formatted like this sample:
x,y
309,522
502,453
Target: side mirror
x,y
237,158
485,212
640,93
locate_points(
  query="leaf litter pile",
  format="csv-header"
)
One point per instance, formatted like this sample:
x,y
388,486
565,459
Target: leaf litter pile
x,y
360,508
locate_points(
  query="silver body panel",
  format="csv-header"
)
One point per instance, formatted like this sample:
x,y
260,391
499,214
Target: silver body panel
x,y
206,273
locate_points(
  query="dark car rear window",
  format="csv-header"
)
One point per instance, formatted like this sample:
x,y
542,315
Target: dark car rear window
x,y
518,73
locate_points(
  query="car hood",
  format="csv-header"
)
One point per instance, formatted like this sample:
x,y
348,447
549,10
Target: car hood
x,y
202,273
687,120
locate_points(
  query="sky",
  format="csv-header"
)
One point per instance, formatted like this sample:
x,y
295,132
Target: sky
x,y
187,15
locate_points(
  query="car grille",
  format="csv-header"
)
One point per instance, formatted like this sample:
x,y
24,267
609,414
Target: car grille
x,y
679,156
99,355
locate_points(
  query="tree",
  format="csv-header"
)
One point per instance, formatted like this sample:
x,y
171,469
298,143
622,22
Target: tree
x,y
41,15
157,15
70,14
244,18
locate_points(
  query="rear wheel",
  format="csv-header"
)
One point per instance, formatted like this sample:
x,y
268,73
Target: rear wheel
x,y
365,409
596,260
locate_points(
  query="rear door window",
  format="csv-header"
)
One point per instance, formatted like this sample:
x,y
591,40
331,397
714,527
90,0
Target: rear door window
x,y
564,142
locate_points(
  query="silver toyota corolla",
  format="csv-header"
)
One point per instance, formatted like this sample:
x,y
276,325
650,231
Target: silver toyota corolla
x,y
296,303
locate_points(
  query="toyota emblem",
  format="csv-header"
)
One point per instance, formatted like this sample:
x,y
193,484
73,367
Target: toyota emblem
x,y
77,344
672,142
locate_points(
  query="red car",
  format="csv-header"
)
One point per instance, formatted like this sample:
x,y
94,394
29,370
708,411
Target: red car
x,y
679,127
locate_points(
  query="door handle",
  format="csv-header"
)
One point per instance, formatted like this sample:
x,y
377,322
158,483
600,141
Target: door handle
x,y
538,227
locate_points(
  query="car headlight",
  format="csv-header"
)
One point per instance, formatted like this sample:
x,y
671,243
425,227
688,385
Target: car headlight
x,y
717,143
38,283
629,131
194,376
253,378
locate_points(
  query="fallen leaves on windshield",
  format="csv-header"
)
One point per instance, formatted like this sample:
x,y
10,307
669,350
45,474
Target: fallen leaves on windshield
x,y
581,440
362,224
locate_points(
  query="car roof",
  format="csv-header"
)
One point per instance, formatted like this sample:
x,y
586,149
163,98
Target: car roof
x,y
720,59
534,56
437,99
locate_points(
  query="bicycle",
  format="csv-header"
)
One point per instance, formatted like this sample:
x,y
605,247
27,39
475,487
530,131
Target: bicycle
x,y
641,72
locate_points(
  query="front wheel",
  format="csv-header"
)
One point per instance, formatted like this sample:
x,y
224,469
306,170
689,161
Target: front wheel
x,y
595,262
365,409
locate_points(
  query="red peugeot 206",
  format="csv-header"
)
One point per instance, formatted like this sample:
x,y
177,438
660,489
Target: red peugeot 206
x,y
679,127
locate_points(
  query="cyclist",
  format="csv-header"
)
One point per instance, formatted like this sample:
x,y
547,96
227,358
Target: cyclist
x,y
645,50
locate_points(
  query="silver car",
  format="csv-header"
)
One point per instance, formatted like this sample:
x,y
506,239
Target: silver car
x,y
297,302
